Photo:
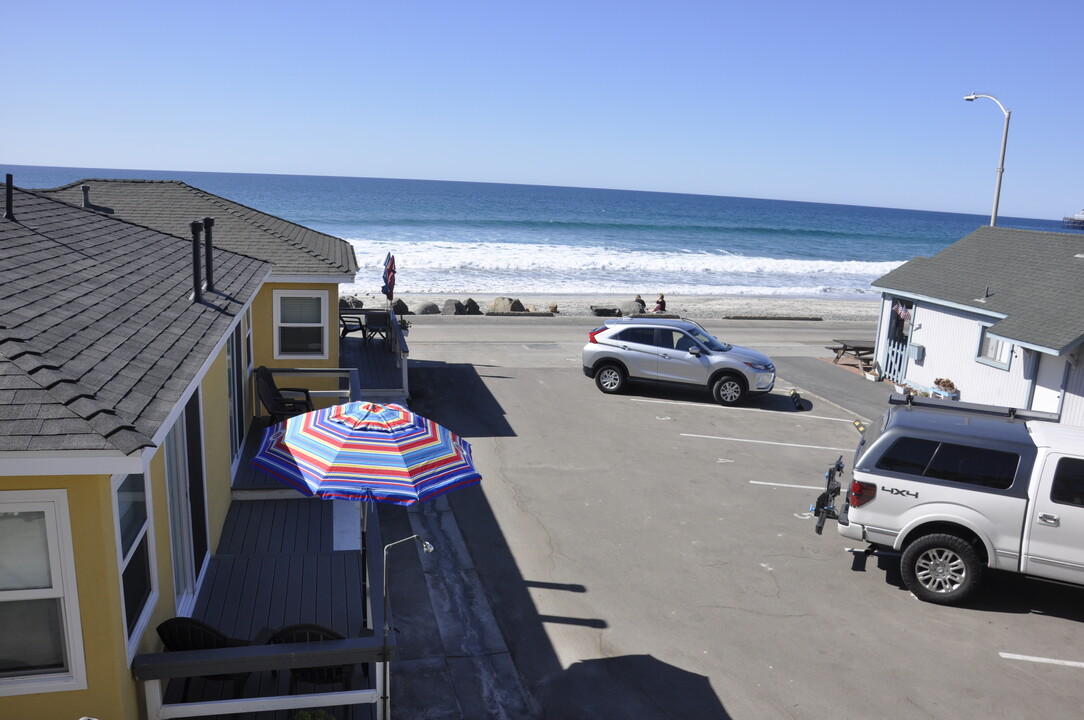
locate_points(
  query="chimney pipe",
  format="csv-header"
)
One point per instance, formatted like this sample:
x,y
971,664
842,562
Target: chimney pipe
x,y
9,211
197,290
208,223
86,195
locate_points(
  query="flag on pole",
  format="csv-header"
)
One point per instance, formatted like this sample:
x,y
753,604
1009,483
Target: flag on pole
x,y
389,277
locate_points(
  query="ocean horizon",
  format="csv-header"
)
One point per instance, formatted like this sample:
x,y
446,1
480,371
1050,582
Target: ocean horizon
x,y
459,238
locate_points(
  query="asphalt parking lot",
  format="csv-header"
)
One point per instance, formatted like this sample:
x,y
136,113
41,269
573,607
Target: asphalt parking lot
x,y
651,555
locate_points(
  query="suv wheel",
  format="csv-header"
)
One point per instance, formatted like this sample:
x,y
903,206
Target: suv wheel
x,y
728,390
610,379
941,568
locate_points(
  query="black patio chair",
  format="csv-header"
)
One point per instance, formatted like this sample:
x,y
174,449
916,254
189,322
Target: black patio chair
x,y
183,633
308,632
351,323
274,399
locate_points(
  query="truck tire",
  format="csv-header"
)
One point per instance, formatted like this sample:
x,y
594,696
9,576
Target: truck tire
x,y
941,568
610,379
728,390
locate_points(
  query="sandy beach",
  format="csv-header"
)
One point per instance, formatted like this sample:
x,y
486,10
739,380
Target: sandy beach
x,y
691,306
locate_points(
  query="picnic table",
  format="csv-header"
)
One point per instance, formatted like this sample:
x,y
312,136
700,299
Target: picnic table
x,y
860,350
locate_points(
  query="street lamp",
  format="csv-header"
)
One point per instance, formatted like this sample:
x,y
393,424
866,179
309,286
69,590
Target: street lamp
x,y
428,548
1001,163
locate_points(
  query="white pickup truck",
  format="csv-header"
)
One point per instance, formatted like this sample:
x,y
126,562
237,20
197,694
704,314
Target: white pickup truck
x,y
957,487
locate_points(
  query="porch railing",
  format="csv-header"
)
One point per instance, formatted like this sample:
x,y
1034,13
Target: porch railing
x,y
157,668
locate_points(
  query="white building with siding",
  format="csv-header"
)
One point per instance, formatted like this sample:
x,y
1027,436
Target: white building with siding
x,y
1000,313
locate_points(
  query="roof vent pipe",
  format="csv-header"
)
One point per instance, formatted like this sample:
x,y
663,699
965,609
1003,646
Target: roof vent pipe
x,y
208,223
197,290
9,207
86,195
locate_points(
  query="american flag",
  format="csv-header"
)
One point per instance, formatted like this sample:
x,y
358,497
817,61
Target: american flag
x,y
903,312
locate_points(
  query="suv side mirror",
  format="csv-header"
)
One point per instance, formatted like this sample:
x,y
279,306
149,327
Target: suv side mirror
x,y
694,351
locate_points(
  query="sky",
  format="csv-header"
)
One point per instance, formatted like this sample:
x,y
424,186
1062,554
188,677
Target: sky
x,y
850,102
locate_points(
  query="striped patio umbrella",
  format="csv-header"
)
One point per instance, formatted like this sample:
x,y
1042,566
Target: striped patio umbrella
x,y
366,451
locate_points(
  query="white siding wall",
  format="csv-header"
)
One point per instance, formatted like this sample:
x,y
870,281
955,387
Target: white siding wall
x,y
951,338
1072,409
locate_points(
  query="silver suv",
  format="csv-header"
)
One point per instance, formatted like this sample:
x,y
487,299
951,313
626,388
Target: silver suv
x,y
679,352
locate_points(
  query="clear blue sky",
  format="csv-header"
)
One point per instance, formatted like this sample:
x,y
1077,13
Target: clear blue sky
x,y
856,102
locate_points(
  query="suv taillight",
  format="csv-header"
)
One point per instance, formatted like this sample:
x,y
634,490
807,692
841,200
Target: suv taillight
x,y
861,493
591,335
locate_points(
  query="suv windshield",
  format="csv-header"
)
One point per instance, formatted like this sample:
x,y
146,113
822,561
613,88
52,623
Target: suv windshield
x,y
709,341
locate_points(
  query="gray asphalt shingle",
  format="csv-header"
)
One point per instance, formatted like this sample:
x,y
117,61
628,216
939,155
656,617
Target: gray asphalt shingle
x,y
98,337
1028,281
170,205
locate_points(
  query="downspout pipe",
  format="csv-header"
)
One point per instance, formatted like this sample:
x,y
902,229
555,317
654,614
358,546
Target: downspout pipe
x,y
197,289
208,223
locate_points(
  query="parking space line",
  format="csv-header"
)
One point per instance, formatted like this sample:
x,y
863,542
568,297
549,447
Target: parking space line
x,y
767,442
741,409
802,487
1047,661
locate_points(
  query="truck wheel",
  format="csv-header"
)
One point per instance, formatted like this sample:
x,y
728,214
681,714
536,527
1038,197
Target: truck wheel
x,y
941,568
610,379
728,390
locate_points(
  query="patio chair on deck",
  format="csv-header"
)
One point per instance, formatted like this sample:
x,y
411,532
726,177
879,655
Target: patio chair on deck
x,y
307,632
273,398
183,633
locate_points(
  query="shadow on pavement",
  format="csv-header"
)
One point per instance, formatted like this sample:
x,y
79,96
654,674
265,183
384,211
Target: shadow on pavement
x,y
632,687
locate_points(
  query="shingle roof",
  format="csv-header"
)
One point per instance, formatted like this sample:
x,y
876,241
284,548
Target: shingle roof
x,y
170,205
98,334
1035,281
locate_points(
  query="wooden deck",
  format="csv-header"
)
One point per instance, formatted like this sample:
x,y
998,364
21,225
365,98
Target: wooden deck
x,y
276,566
380,367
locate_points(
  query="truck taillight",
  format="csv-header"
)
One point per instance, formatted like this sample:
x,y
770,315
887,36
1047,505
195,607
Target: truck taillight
x,y
861,493
591,335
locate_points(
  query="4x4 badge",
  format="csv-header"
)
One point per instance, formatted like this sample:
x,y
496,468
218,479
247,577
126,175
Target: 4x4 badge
x,y
898,491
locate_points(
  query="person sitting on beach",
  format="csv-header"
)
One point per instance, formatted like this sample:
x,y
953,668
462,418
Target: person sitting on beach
x,y
660,304
640,301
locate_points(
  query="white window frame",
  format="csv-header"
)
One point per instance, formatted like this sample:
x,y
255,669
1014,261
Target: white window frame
x,y
136,632
322,296
1004,350
54,503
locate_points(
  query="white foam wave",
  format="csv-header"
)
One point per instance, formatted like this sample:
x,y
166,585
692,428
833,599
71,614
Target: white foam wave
x,y
468,267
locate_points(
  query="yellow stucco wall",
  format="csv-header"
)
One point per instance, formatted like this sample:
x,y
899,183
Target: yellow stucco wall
x,y
110,690
217,456
263,326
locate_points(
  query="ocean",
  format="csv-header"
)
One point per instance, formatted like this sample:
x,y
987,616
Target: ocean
x,y
462,238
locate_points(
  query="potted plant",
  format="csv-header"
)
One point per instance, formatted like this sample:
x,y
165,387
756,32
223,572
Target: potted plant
x,y
404,325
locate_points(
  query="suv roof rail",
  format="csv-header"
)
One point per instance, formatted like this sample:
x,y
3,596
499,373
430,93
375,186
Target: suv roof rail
x,y
997,410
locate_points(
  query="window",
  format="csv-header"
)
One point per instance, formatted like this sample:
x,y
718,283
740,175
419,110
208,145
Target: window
x,y
994,351
38,596
134,552
300,324
1068,487
643,336
948,461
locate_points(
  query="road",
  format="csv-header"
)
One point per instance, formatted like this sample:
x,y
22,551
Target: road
x,y
650,555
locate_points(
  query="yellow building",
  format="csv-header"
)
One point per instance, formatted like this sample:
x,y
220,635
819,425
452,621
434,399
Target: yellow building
x,y
125,395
